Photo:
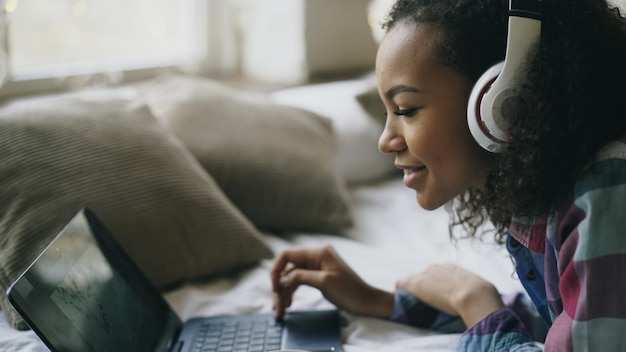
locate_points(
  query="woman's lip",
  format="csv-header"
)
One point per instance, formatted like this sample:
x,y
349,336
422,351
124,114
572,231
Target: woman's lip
x,y
412,174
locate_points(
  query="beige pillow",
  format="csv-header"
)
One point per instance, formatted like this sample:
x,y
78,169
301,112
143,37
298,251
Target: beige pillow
x,y
165,210
274,162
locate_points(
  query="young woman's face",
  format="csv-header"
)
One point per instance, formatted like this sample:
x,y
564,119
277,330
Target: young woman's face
x,y
426,123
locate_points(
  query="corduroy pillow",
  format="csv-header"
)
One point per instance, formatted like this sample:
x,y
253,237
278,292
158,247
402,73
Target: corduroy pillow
x,y
275,162
163,208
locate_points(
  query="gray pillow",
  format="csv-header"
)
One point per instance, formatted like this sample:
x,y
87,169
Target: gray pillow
x,y
163,208
275,162
356,132
370,100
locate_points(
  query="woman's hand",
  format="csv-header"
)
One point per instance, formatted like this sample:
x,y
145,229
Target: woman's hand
x,y
323,269
455,291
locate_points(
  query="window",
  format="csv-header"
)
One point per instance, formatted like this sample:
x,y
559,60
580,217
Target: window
x,y
51,42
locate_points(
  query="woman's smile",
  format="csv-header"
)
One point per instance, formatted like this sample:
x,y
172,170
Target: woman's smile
x,y
412,174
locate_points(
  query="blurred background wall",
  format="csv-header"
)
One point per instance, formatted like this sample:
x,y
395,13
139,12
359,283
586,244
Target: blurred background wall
x,y
51,44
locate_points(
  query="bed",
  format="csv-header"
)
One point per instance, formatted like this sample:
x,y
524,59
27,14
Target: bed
x,y
386,238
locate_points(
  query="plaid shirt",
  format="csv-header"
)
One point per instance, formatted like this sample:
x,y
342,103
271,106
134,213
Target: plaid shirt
x,y
573,268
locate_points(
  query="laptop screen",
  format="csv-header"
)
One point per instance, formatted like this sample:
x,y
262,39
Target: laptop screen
x,y
80,301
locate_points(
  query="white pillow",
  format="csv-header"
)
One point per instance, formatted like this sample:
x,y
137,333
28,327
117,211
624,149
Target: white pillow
x,y
357,132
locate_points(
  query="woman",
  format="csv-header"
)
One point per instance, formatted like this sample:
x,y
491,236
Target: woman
x,y
556,194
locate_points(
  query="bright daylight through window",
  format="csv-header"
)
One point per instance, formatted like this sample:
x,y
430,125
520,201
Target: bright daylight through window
x,y
76,37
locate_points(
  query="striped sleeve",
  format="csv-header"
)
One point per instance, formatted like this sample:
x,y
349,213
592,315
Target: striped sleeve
x,y
500,330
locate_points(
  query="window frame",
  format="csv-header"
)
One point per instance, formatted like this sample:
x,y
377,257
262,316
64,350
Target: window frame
x,y
215,59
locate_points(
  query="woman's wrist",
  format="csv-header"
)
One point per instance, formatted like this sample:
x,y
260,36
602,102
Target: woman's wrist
x,y
380,305
475,305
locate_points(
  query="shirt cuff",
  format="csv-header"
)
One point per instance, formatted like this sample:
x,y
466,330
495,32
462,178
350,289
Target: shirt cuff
x,y
408,309
498,331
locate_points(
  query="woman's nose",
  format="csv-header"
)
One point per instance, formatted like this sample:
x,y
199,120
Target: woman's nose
x,y
391,140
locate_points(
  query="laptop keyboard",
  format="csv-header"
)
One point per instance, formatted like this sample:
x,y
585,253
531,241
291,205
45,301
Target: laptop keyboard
x,y
251,334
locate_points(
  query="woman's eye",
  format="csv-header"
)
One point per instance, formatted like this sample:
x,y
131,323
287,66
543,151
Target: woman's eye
x,y
405,112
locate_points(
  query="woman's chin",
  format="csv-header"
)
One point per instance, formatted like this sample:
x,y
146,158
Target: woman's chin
x,y
427,203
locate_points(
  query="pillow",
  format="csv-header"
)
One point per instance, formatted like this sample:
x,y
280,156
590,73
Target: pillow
x,y
274,162
370,102
356,130
163,208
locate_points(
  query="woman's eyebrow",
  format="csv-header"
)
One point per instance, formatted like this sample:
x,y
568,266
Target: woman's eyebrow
x,y
393,91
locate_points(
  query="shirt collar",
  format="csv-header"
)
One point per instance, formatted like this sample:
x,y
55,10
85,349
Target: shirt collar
x,y
530,232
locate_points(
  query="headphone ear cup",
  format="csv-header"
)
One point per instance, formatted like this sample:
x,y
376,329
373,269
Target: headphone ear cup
x,y
480,111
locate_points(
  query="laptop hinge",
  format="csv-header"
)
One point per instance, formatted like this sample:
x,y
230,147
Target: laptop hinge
x,y
174,344
177,347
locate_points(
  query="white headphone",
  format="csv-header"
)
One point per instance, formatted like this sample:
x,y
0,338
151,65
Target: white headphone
x,y
494,89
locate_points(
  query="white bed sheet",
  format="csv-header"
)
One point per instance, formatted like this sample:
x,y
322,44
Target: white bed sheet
x,y
392,238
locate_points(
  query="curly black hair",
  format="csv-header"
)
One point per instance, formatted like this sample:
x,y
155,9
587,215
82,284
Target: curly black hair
x,y
572,101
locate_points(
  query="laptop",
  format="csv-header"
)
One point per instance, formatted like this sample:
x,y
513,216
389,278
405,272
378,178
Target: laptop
x,y
84,293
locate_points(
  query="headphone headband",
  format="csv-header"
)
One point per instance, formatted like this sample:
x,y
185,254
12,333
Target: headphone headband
x,y
526,8
497,89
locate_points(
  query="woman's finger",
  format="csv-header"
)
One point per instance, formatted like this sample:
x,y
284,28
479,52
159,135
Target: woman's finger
x,y
297,277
